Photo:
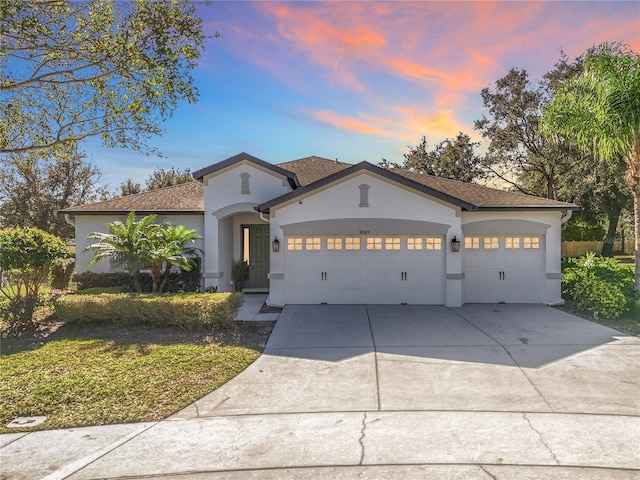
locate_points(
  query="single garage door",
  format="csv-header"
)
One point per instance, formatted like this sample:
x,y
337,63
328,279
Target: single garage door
x,y
365,269
507,269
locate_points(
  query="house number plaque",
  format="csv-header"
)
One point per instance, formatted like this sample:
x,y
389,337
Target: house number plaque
x,y
364,232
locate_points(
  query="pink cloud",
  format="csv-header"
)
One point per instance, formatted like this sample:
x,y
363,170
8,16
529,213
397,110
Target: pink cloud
x,y
450,49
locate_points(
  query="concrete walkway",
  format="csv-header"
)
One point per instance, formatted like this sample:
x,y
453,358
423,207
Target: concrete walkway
x,y
479,392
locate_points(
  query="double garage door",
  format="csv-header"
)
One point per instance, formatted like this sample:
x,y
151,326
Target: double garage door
x,y
365,269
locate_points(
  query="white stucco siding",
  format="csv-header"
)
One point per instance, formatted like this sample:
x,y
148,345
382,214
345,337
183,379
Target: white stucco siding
x,y
230,196
86,224
225,187
392,209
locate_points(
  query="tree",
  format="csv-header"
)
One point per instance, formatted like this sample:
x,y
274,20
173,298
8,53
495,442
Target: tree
x,y
518,150
129,188
27,254
106,68
599,111
452,158
34,187
138,244
166,178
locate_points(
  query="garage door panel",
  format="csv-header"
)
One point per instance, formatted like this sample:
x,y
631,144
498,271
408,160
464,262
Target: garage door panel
x,y
384,276
509,275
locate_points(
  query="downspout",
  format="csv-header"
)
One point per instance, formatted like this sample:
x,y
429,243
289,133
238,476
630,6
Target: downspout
x,y
70,219
265,220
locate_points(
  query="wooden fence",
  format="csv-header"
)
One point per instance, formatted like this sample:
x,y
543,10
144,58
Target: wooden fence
x,y
578,249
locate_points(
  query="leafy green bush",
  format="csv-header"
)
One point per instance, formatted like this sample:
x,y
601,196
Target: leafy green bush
x,y
600,286
188,310
176,282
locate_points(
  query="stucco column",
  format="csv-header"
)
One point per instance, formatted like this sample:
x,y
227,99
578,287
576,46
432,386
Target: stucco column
x,y
211,272
453,296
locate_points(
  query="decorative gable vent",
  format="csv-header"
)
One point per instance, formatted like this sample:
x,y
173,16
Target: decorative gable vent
x,y
364,195
244,183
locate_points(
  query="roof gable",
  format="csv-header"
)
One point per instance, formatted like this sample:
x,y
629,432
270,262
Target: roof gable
x,y
467,196
203,172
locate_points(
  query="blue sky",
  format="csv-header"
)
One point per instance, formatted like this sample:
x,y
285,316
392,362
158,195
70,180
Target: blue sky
x,y
358,80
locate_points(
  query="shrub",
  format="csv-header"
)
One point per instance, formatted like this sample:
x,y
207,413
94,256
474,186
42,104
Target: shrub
x,y
600,286
26,254
188,311
176,282
61,273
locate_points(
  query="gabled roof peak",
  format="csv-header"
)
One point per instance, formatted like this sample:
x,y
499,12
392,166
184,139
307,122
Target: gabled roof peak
x,y
243,156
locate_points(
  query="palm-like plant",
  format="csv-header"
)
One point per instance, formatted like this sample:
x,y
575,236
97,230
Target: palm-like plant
x,y
128,245
599,111
134,245
174,248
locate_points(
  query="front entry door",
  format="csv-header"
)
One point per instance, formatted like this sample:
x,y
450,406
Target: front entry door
x,y
257,255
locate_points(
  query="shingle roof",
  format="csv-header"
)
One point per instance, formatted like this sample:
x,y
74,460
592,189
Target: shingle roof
x,y
183,198
314,172
479,195
311,169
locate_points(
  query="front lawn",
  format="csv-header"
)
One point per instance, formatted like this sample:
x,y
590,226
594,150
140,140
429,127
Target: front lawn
x,y
96,378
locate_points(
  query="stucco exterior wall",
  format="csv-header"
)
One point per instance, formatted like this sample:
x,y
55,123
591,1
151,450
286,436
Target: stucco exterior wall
x,y
229,203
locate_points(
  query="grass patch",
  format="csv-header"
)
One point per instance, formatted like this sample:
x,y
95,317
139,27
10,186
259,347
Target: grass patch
x,y
79,382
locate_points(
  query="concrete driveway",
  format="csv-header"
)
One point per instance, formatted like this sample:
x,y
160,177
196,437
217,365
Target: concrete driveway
x,y
482,391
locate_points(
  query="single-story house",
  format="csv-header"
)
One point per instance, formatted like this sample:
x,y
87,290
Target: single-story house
x,y
316,230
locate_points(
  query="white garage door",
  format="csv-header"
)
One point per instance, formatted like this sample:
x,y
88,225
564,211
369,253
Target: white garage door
x,y
364,269
507,269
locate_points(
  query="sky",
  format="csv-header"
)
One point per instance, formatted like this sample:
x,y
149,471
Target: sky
x,y
358,80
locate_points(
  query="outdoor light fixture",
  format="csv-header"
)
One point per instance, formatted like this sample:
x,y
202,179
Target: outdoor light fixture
x,y
275,245
455,244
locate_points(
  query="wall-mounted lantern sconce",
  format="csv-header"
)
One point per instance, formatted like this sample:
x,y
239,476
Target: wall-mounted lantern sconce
x,y
275,245
455,244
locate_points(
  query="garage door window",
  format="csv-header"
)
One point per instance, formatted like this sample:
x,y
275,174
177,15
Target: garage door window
x,y
294,243
352,243
532,242
434,243
392,243
374,243
491,243
472,243
312,243
414,243
512,242
334,243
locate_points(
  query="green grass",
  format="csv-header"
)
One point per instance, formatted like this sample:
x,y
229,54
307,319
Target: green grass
x,y
78,382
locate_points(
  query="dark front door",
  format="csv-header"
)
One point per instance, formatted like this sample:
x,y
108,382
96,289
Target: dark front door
x,y
256,253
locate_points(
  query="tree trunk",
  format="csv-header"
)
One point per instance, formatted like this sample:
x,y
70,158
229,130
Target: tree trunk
x,y
636,231
607,246
633,177
136,282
